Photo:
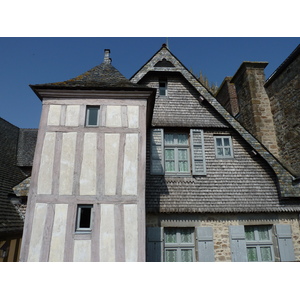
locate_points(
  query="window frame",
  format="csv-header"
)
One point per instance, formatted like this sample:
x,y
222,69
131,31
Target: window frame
x,y
258,244
87,116
231,156
164,89
176,147
178,246
79,229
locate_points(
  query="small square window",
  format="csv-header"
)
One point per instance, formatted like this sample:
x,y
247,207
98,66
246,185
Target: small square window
x,y
223,147
92,116
84,218
162,88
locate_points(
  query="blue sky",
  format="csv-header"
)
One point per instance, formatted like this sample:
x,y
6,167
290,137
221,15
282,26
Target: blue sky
x,y
34,60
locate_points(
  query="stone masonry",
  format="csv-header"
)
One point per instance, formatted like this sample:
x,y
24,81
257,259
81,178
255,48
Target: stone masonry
x,y
283,89
220,224
255,111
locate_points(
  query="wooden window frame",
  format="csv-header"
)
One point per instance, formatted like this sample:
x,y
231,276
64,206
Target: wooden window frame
x,y
79,229
223,147
163,89
256,243
180,246
88,107
176,147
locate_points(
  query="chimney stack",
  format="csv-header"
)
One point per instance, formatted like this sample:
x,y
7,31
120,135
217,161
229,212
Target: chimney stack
x,y
107,59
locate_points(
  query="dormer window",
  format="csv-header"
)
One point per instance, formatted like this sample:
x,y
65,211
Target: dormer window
x,y
162,88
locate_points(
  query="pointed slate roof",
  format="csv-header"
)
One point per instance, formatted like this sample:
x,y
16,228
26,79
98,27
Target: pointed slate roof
x,y
164,60
102,77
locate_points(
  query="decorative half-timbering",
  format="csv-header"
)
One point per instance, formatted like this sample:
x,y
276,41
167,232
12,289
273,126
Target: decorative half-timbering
x,y
87,193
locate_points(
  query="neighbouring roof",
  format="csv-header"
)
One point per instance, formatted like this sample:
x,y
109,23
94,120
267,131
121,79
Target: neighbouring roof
x,y
283,66
10,175
26,147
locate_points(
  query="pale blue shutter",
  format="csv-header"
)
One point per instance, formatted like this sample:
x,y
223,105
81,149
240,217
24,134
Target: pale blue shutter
x,y
238,243
285,242
157,151
205,244
154,248
198,154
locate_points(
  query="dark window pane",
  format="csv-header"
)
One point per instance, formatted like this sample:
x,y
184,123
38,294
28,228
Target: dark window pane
x,y
92,115
85,217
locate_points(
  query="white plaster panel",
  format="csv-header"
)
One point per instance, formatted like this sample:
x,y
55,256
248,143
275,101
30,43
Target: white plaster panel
x,y
111,162
131,232
58,233
54,115
107,233
72,115
38,224
45,176
89,165
113,116
82,251
133,116
130,172
67,163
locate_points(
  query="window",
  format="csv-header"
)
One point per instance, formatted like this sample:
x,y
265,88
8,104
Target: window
x,y
176,153
259,243
173,153
179,245
223,147
162,88
84,218
92,116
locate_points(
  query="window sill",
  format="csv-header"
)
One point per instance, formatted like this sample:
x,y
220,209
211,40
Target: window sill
x,y
82,236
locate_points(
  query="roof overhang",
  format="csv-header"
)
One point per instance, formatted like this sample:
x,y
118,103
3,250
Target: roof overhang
x,y
129,93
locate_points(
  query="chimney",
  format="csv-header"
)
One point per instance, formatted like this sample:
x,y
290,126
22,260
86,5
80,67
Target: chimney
x,y
107,59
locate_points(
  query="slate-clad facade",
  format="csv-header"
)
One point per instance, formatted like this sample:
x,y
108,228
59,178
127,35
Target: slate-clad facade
x,y
165,174
212,216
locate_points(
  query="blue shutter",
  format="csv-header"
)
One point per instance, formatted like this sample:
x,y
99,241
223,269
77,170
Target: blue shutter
x,y
157,151
285,242
198,154
205,244
238,243
154,248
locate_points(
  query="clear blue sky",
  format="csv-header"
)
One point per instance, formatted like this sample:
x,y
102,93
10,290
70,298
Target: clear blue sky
x,y
25,61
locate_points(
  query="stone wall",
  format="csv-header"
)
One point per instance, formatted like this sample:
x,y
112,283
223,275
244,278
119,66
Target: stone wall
x,y
226,95
255,111
220,224
283,89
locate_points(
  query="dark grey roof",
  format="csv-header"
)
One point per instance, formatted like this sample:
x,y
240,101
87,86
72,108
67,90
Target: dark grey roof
x,y
26,147
283,66
101,76
10,175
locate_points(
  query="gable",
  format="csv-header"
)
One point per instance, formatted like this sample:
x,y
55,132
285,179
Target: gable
x,y
181,107
289,186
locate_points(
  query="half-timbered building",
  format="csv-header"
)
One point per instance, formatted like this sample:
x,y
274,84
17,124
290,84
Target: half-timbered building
x,y
153,169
